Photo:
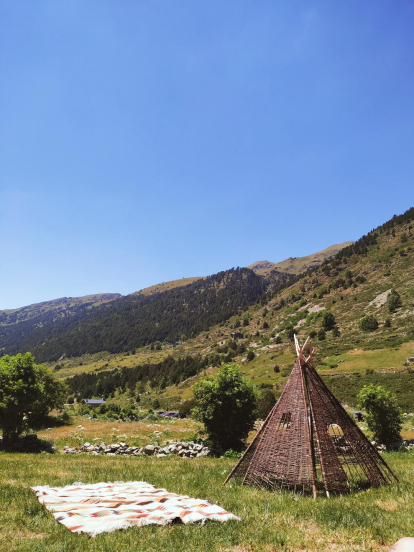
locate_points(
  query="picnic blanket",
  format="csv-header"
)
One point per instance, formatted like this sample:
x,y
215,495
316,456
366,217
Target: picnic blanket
x,y
105,507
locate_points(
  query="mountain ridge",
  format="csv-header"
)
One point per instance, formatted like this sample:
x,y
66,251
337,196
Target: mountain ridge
x,y
296,265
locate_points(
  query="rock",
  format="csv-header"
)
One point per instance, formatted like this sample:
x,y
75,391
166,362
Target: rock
x,y
410,360
161,455
86,445
406,544
149,450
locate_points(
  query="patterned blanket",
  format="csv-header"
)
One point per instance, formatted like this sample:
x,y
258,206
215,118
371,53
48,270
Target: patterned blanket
x,y
104,507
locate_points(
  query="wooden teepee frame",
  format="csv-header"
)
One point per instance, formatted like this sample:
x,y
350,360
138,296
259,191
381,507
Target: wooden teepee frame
x,y
309,442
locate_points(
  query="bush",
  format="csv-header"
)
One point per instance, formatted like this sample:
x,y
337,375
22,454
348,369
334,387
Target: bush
x,y
384,416
276,369
336,332
186,407
265,404
227,406
394,301
250,355
369,323
387,323
321,334
278,340
328,321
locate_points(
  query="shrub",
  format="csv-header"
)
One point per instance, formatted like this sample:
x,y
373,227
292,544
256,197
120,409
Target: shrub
x,y
186,407
336,332
369,323
227,406
328,321
321,334
276,369
290,332
265,404
384,416
278,340
394,301
387,323
250,355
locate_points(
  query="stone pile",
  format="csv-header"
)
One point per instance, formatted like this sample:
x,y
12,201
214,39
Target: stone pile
x,y
183,449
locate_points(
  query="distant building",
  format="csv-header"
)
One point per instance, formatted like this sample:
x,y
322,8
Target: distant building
x,y
94,402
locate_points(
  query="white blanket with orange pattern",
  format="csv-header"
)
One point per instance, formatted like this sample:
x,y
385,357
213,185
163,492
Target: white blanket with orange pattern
x,y
104,507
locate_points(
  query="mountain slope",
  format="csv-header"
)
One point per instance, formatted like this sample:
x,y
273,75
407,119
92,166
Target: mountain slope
x,y
136,320
352,285
296,265
55,308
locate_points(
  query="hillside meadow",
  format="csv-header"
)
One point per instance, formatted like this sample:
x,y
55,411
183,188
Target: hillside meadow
x,y
369,520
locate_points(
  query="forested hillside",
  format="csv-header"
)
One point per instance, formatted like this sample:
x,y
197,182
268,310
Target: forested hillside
x,y
168,372
135,320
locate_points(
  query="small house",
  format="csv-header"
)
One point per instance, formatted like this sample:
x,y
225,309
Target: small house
x,y
94,402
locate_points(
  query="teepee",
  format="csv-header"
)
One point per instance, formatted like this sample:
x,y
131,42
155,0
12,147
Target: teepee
x,y
309,442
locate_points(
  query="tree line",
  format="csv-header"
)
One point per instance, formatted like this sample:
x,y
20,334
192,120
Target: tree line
x,y
170,371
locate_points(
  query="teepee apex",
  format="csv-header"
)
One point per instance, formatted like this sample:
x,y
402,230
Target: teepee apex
x,y
308,441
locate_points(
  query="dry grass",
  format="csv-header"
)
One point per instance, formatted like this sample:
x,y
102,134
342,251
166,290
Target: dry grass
x,y
135,433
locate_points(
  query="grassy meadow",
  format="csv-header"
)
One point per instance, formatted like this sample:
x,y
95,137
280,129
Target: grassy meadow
x,y
366,521
141,433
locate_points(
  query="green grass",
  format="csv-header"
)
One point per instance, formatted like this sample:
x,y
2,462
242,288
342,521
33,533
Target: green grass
x,y
346,388
367,521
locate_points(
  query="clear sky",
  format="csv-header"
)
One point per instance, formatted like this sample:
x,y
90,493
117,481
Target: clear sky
x,y
144,140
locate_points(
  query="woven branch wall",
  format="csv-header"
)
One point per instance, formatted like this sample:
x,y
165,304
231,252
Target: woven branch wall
x,y
309,442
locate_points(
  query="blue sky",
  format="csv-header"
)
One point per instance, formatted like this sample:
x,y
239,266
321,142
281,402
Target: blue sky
x,y
144,141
